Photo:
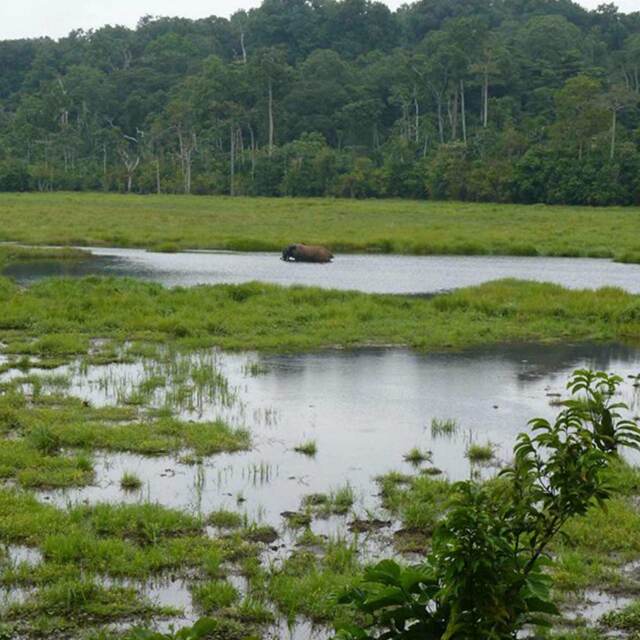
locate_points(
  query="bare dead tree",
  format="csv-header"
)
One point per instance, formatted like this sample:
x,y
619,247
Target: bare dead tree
x,y
187,146
131,161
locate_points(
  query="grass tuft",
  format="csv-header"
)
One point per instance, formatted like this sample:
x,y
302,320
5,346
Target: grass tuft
x,y
225,519
308,448
443,427
416,456
480,452
130,481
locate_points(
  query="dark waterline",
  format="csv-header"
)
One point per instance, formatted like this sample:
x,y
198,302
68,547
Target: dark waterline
x,y
367,273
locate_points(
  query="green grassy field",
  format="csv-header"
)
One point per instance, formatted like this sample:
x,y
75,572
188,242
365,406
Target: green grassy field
x,y
389,226
58,317
49,439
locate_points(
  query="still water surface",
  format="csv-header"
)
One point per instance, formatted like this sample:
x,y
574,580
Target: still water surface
x,y
365,409
368,273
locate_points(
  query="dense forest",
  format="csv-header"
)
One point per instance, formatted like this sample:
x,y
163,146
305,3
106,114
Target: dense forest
x,y
497,100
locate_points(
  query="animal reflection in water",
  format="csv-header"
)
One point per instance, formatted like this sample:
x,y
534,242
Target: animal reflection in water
x,y
306,253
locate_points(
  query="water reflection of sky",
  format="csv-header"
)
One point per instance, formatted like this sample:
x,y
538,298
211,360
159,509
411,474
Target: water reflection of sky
x,y
365,409
369,273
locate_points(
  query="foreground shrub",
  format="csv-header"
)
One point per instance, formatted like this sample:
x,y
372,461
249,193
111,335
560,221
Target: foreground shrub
x,y
484,577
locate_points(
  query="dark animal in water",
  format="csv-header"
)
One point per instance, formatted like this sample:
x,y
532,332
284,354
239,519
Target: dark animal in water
x,y
306,253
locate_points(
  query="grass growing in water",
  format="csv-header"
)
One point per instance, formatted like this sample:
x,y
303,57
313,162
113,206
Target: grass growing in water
x,y
29,467
130,481
417,456
306,584
138,540
65,314
627,619
84,601
225,519
10,254
337,502
214,595
480,452
142,540
443,427
308,448
254,369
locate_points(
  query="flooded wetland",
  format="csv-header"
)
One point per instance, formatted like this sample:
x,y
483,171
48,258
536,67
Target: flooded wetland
x,y
153,472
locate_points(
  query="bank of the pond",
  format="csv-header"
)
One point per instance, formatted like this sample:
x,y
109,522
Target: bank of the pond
x,y
62,315
171,223
16,254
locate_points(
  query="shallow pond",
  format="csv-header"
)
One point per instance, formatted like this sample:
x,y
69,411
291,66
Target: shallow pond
x,y
368,273
364,409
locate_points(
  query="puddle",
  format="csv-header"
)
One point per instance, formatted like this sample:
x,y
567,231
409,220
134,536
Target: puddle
x,y
596,604
18,554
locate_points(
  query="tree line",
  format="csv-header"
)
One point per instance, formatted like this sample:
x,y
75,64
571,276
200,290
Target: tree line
x,y
508,101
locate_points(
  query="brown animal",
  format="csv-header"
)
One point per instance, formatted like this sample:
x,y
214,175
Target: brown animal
x,y
306,253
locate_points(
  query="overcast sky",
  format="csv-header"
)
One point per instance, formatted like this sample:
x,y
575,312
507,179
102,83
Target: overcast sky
x,y
55,18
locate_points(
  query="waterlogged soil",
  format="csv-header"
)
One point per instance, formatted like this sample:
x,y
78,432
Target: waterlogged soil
x,y
364,410
367,273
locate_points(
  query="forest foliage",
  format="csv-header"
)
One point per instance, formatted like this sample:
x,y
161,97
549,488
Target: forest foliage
x,y
510,101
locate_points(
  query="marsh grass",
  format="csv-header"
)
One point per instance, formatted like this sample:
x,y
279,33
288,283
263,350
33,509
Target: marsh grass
x,y
431,471
254,369
170,223
443,428
137,541
302,585
253,610
418,501
67,313
308,448
480,452
626,619
44,439
226,519
49,436
315,499
337,502
417,456
309,539
153,437
214,595
15,253
31,467
145,523
170,380
181,555
260,533
297,519
130,481
85,600
25,520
